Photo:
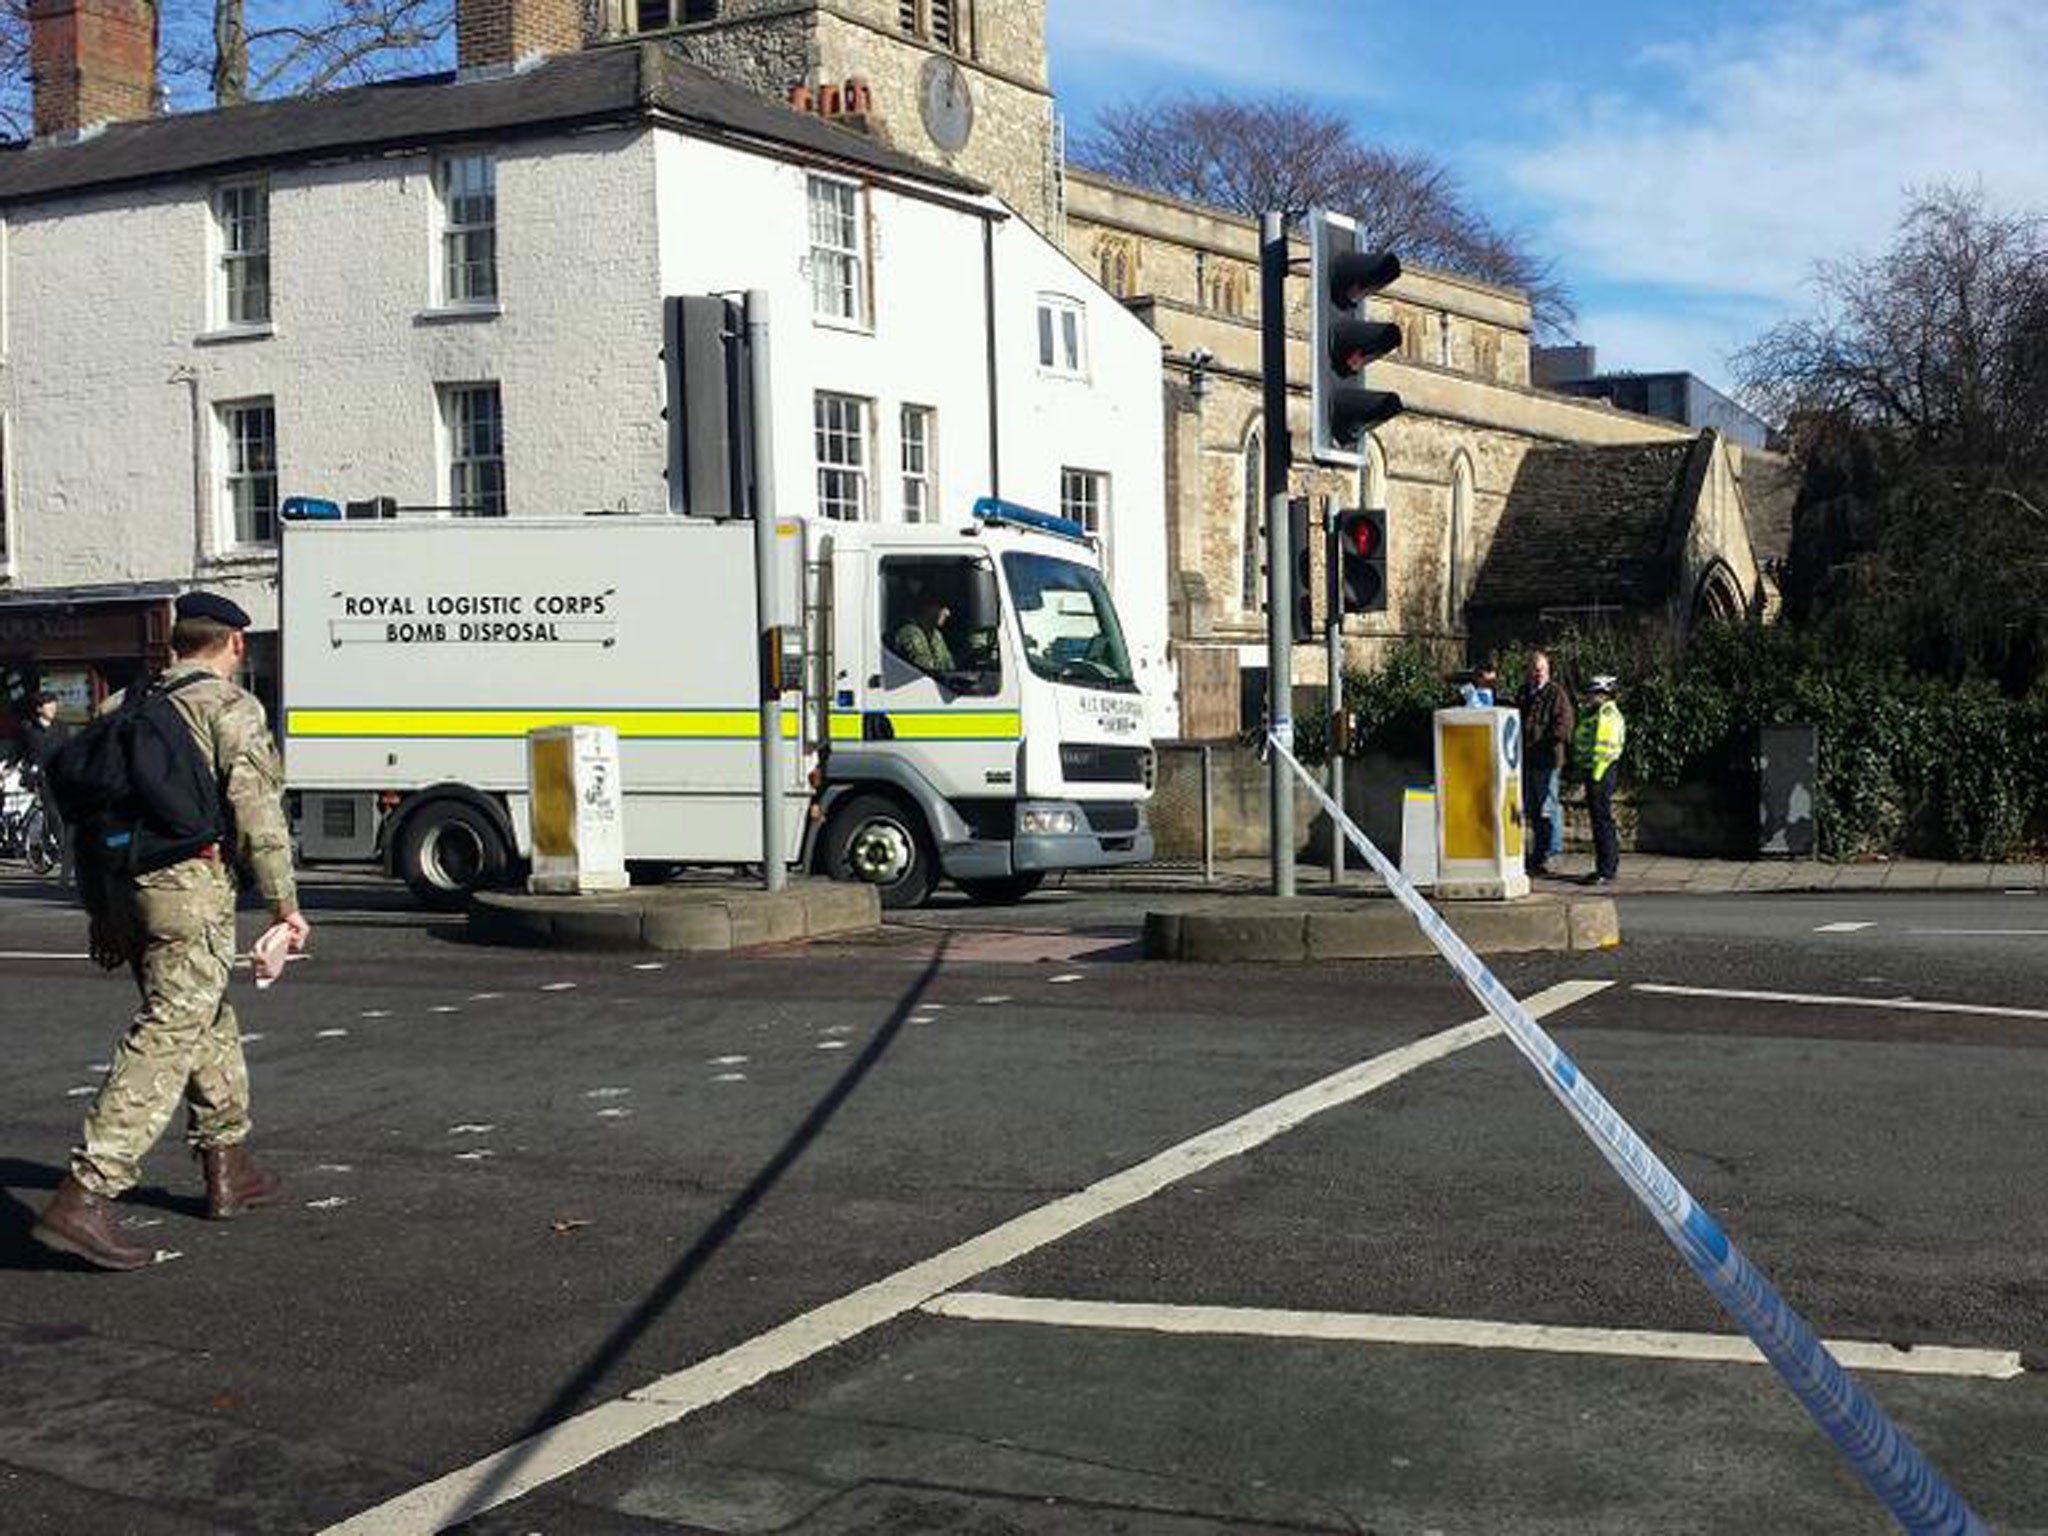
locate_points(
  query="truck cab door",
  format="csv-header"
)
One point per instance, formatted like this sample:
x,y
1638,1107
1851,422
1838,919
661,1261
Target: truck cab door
x,y
943,687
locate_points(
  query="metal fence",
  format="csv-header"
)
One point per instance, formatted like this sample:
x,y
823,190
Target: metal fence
x,y
1183,809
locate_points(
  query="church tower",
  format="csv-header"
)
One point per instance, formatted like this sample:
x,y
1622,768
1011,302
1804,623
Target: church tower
x,y
960,83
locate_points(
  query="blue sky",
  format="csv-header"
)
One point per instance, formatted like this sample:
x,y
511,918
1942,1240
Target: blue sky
x,y
1687,164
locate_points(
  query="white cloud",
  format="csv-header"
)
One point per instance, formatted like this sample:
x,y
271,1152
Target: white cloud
x,y
1775,147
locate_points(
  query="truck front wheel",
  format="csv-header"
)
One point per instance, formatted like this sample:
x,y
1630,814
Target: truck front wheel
x,y
878,842
447,850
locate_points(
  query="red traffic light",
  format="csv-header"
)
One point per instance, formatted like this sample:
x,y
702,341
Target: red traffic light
x,y
1360,537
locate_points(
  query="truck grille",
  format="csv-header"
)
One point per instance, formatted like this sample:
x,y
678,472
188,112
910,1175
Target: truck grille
x,y
1112,818
1087,763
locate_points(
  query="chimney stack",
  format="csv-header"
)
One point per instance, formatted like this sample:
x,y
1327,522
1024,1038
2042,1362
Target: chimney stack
x,y
92,61
501,32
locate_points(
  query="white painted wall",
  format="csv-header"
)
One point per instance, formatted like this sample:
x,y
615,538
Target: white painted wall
x,y
111,317
108,342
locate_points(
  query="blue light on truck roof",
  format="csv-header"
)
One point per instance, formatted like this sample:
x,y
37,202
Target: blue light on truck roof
x,y
309,509
993,509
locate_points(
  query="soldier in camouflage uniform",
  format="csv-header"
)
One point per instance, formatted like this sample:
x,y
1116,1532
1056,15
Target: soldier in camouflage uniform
x,y
175,929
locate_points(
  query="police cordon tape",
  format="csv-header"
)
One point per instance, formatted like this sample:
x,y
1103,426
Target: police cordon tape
x,y
1893,1468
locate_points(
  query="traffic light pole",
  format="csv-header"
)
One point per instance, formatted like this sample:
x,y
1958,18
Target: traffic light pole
x,y
767,596
1273,258
1333,634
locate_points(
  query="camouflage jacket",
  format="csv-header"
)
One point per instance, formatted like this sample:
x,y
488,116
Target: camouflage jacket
x,y
234,738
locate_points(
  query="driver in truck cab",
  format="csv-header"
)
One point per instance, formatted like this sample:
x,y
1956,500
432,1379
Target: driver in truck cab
x,y
921,640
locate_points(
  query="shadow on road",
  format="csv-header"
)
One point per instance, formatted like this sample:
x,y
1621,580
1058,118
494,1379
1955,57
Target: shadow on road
x,y
19,1250
722,1229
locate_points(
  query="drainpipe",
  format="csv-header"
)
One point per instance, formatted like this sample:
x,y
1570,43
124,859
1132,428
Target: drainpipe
x,y
188,376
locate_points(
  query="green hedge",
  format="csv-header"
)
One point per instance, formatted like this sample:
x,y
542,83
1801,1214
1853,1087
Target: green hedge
x,y
1910,765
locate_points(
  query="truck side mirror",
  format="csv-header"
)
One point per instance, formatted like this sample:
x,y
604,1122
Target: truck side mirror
x,y
980,605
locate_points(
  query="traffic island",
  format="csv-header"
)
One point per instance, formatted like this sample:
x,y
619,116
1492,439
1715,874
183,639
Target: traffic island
x,y
676,919
1373,926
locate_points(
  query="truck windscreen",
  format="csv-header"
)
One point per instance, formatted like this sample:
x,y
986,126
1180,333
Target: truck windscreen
x,y
1071,634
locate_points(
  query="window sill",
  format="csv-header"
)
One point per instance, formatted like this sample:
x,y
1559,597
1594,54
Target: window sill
x,y
1068,374
456,314
228,334
841,323
243,557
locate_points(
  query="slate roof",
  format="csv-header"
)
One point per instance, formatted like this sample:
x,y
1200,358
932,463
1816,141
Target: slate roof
x,y
1593,525
622,84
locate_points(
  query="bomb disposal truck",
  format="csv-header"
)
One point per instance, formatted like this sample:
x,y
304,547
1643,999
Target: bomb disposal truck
x,y
967,708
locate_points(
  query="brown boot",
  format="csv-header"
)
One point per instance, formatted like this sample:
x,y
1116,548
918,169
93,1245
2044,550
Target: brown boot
x,y
77,1221
234,1183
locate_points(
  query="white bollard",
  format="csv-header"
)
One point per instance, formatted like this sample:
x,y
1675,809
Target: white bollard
x,y
1418,838
1479,805
577,809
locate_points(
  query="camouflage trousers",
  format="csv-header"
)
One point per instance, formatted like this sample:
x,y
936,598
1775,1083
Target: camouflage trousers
x,y
185,1044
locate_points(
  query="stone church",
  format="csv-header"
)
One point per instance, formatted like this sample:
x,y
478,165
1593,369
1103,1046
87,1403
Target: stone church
x,y
1512,510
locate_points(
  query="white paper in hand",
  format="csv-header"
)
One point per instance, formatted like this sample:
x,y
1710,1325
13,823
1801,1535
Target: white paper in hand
x,y
268,953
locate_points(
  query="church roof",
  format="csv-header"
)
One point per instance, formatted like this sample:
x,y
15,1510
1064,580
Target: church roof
x,y
599,86
1594,526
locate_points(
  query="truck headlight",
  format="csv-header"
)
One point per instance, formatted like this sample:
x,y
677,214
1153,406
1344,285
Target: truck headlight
x,y
1048,821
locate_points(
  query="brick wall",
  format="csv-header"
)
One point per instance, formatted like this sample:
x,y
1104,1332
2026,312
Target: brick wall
x,y
504,31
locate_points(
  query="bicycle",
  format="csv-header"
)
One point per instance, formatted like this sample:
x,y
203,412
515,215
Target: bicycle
x,y
26,831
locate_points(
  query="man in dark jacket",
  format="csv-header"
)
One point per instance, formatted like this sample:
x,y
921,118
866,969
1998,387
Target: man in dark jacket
x,y
1547,722
43,734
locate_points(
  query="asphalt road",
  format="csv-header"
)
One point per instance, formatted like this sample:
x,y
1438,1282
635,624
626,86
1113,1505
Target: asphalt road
x,y
541,1190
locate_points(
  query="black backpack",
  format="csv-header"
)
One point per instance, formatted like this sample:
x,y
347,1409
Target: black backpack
x,y
136,786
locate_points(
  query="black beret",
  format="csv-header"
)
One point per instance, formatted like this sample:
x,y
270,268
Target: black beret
x,y
211,605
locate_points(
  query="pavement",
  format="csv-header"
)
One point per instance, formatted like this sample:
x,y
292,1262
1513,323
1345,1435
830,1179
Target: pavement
x,y
1655,874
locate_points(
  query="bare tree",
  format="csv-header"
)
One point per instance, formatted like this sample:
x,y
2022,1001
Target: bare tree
x,y
213,53
1916,400
14,100
1251,155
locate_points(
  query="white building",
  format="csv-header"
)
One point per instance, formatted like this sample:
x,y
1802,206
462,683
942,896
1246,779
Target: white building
x,y
449,292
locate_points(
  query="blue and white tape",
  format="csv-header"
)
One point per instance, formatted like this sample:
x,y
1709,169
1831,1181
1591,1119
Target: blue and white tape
x,y
1893,1468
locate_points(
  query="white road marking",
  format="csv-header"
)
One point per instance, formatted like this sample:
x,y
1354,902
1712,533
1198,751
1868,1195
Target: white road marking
x,y
374,1013
108,1066
252,1037
730,1077
334,1168
80,1092
1458,1333
2022,893
331,1203
1824,1000
1980,933
831,1045
142,1221
485,997
606,1093
616,1112
1070,976
559,986
472,1128
475,1157
992,998
444,1008
931,1007
1843,927
329,1034
651,965
37,954
729,1061
575,1442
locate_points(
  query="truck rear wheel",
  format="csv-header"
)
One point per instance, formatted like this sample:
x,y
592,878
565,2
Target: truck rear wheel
x,y
1001,890
447,850
877,841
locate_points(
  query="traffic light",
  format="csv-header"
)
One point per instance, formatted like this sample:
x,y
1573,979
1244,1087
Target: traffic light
x,y
1298,545
1358,574
709,406
1342,277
